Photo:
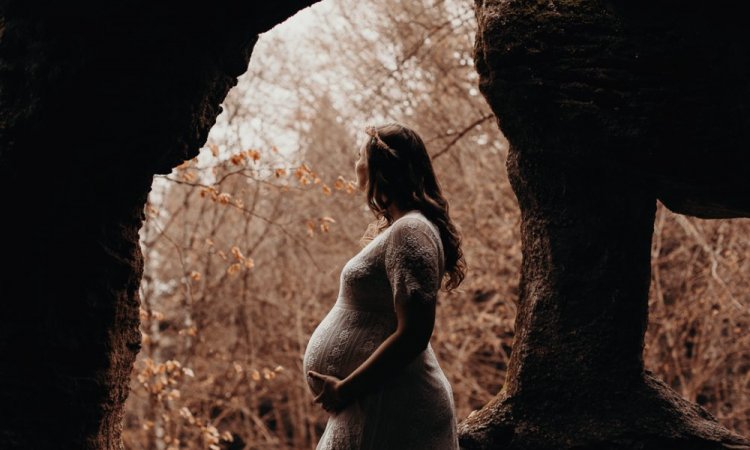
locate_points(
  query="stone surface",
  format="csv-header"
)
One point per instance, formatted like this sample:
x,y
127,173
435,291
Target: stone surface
x,y
608,105
95,98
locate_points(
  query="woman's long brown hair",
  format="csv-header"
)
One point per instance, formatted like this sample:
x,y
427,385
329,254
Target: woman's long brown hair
x,y
400,170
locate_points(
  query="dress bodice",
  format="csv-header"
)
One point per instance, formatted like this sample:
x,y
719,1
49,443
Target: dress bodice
x,y
406,259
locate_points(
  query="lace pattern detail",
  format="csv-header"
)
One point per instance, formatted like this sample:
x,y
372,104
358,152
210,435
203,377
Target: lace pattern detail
x,y
340,434
353,320
413,261
314,350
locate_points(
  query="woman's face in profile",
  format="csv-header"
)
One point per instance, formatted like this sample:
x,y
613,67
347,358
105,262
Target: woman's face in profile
x,y
360,167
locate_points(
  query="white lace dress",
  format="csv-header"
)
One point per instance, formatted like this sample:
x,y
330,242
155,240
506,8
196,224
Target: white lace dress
x,y
415,410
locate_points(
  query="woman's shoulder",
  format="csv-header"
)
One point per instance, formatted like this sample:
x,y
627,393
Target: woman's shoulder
x,y
414,220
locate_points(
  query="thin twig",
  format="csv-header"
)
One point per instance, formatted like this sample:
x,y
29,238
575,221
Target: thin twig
x,y
461,134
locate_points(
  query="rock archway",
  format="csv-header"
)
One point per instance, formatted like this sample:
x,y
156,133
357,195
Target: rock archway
x,y
608,105
96,100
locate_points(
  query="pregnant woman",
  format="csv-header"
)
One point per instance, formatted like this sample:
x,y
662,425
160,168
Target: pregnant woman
x,y
369,363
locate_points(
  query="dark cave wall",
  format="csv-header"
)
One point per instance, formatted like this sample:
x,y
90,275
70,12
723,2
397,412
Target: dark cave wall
x,y
656,88
608,106
94,100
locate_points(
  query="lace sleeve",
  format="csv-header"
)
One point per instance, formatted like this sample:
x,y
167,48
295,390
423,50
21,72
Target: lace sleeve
x,y
412,261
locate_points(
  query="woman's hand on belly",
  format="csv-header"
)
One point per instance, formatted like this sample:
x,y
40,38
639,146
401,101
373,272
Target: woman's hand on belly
x,y
331,397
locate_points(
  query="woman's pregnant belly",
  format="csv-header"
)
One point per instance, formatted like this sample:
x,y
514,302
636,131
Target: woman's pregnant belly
x,y
343,340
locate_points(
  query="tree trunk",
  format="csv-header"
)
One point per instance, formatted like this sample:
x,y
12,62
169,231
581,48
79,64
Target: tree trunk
x,y
95,100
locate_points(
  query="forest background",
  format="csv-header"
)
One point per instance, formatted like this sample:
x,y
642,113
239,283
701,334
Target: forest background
x,y
244,244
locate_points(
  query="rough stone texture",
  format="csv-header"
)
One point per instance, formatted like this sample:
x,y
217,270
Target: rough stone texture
x,y
95,98
608,105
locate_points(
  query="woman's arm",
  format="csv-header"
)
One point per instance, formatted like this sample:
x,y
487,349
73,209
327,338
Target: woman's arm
x,y
416,320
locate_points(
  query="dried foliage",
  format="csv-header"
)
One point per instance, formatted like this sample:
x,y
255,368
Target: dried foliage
x,y
244,244
698,340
